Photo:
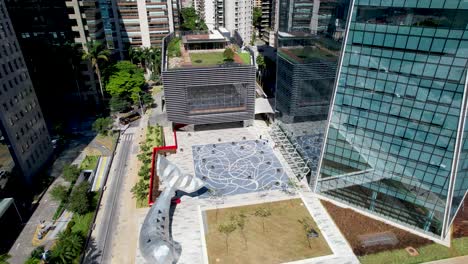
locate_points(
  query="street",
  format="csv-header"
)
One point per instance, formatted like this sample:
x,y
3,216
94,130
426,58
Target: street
x,y
109,211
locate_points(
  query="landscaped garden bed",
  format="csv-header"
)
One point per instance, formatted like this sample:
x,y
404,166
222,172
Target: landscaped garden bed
x,y
354,226
263,233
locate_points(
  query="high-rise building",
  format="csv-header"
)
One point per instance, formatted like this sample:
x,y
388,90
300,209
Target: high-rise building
x,y
22,125
50,34
396,144
238,17
268,27
146,23
309,48
235,16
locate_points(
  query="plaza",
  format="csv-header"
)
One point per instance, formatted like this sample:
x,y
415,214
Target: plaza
x,y
230,173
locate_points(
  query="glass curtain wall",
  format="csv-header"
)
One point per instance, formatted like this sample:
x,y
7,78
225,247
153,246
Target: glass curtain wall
x,y
392,147
310,39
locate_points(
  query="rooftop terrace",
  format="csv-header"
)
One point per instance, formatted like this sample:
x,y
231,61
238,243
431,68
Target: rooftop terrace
x,y
203,50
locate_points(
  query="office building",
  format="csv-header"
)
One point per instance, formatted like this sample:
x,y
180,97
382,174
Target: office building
x,y
396,141
199,90
308,52
22,125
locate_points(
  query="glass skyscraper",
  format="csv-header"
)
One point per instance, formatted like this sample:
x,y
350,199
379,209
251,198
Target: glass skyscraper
x,y
396,143
310,37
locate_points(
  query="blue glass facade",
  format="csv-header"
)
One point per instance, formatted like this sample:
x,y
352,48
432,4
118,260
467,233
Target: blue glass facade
x,y
395,145
310,39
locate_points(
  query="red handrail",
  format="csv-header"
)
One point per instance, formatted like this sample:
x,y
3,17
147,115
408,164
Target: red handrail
x,y
156,150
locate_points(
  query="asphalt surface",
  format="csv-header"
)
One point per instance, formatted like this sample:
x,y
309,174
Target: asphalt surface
x,y
108,223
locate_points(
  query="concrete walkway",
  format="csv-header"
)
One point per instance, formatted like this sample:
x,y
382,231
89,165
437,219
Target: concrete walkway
x,y
457,260
187,225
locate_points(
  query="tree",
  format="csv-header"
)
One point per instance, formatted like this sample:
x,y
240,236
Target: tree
x,y
96,52
228,54
71,172
79,199
263,213
4,258
191,21
261,62
257,17
146,99
140,190
59,193
102,125
240,221
307,226
37,252
119,104
125,80
227,228
68,248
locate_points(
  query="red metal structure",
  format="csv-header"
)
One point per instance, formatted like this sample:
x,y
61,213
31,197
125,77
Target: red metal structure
x,y
156,151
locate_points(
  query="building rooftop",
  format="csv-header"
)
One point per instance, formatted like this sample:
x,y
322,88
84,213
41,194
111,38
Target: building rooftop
x,y
203,49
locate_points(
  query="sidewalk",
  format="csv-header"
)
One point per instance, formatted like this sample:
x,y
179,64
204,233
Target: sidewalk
x,y
46,206
457,260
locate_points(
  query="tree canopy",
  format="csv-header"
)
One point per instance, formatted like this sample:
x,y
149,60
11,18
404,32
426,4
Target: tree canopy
x,y
228,54
191,21
125,80
79,199
71,173
102,125
257,17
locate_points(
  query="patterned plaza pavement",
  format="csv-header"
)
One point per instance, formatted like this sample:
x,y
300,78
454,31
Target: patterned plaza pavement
x,y
239,167
187,224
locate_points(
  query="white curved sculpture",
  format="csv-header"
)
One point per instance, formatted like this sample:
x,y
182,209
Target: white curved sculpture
x,y
156,244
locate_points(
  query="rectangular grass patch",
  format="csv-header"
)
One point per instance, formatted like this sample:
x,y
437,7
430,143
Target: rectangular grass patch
x,y
277,238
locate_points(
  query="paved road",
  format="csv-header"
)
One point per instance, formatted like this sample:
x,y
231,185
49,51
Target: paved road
x,y
100,251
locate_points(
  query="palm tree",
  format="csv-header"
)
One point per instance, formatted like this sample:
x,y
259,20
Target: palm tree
x,y
227,228
96,52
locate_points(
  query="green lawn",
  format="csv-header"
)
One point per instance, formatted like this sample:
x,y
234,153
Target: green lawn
x,y
426,253
245,56
207,59
89,163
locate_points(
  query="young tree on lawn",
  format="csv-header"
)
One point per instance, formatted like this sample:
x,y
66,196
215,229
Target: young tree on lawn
x,y
307,227
102,125
141,189
228,54
240,220
79,199
96,52
59,193
227,228
263,213
71,172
